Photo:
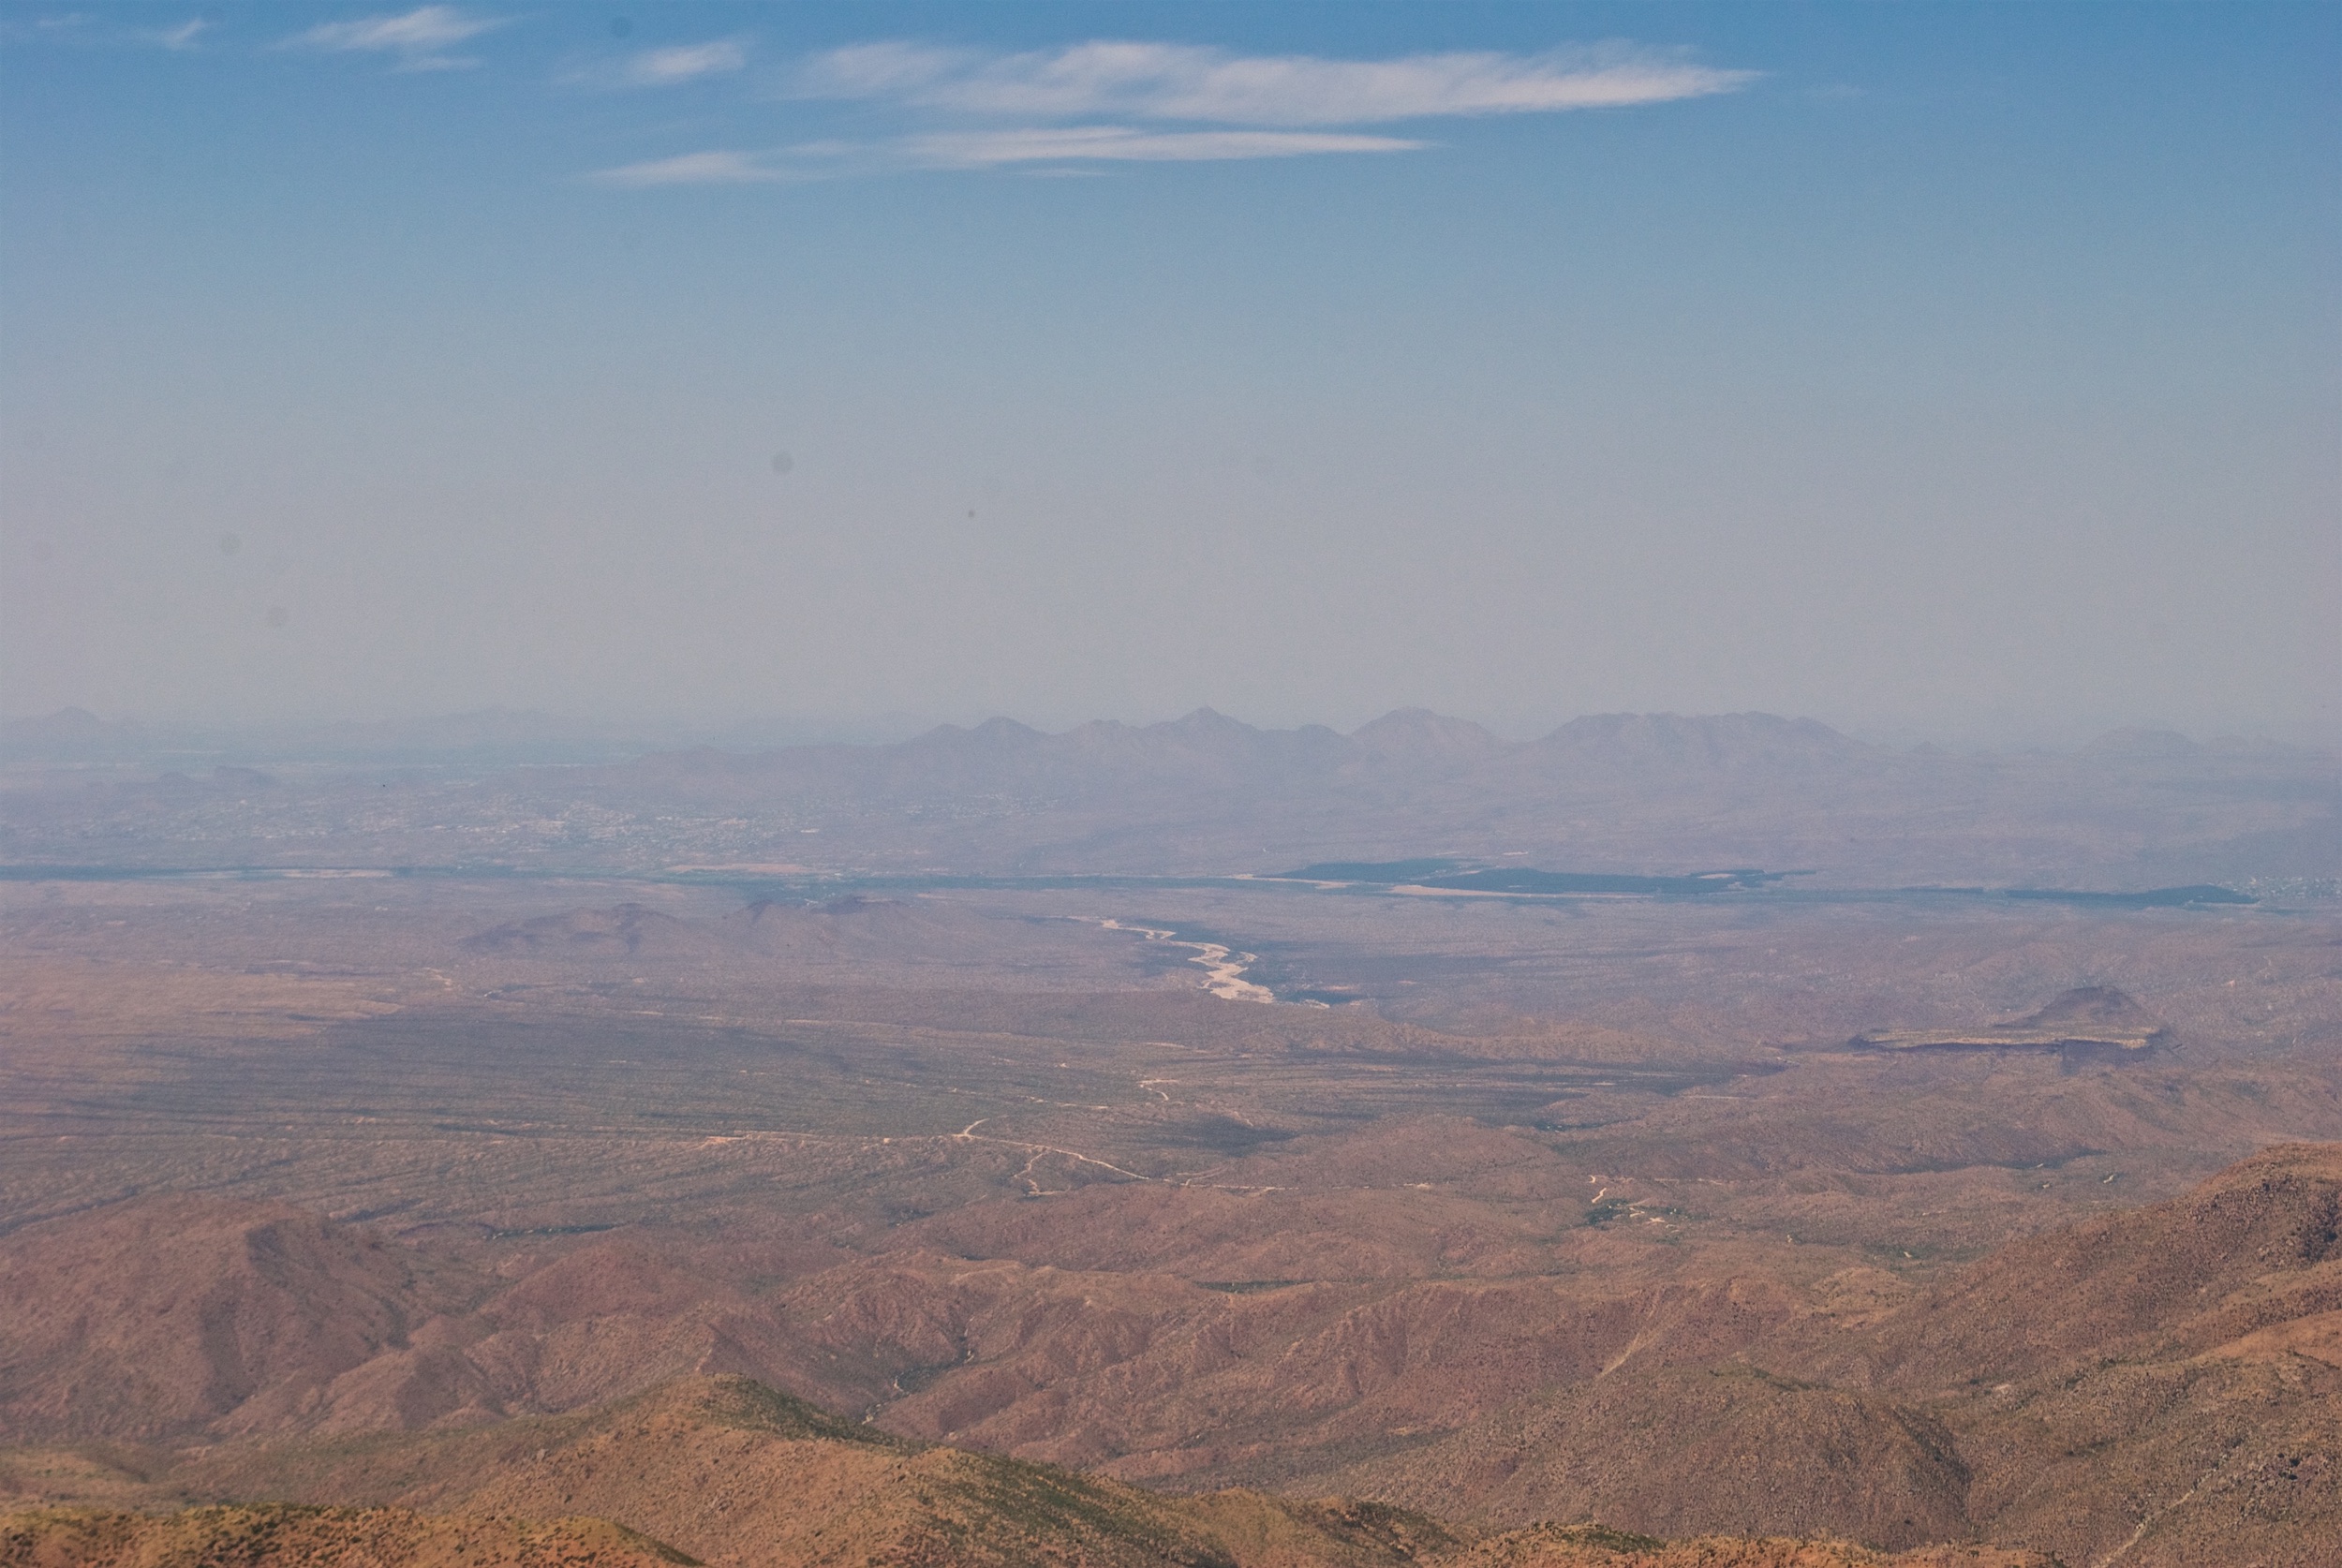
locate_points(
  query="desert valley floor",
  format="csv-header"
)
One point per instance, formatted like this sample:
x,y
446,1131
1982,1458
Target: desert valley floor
x,y
389,1190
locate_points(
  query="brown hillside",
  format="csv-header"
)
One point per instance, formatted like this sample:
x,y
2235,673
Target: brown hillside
x,y
1592,1546
2259,1245
736,1473
164,1316
274,1535
2164,1381
280,1535
1673,1452
2173,1463
2164,1384
2173,1365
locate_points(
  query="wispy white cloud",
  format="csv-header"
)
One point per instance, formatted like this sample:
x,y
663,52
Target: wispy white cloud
x,y
1125,144
1064,146
1074,108
668,67
694,169
180,37
417,39
1184,81
81,28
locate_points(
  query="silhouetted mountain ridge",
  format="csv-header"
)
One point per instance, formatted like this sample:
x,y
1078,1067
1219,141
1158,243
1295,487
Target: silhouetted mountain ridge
x,y
1637,794
1619,794
1207,750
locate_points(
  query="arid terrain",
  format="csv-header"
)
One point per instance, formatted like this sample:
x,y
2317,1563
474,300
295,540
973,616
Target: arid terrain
x,y
954,1153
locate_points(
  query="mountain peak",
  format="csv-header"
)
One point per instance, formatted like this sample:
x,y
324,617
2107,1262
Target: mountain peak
x,y
1420,733
1707,741
1206,721
996,734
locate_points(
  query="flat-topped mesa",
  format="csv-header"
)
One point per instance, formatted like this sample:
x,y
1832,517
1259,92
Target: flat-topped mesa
x,y
2091,1018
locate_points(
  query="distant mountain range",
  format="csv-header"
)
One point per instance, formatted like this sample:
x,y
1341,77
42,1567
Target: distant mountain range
x,y
1407,740
1210,750
1652,798
1637,795
483,737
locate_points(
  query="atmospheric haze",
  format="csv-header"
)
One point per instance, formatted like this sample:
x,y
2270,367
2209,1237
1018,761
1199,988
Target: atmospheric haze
x,y
1964,374
1418,786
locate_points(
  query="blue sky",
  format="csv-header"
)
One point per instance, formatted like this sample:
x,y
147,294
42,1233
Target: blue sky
x,y
1955,371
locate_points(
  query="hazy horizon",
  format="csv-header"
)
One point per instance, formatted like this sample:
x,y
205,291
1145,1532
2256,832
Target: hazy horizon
x,y
1300,786
1957,375
523,727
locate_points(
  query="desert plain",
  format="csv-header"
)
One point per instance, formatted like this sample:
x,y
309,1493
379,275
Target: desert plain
x,y
1184,1145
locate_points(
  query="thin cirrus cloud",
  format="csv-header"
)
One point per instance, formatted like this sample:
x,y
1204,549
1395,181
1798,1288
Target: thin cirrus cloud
x,y
1185,82
1124,144
694,169
991,149
1076,103
682,63
179,39
417,39
77,28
